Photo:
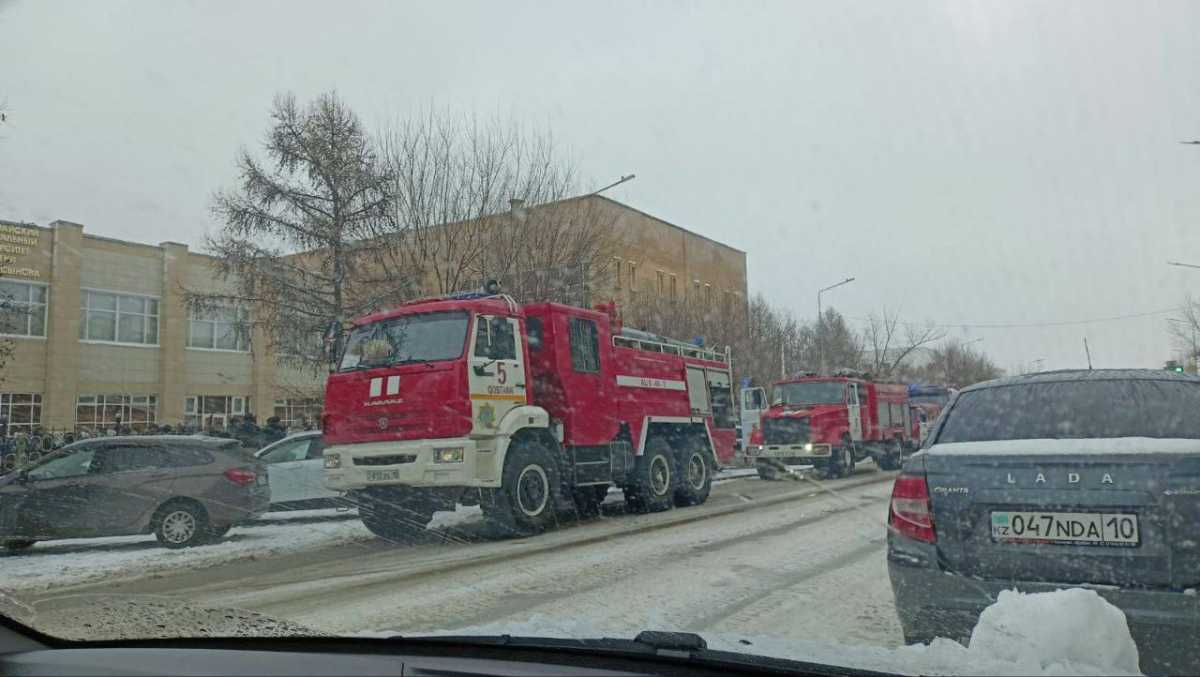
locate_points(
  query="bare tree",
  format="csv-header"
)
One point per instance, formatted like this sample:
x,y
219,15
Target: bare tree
x,y
957,365
476,200
890,343
302,241
1185,331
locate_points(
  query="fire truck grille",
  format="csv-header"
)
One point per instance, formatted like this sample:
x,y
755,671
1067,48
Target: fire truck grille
x,y
785,430
393,459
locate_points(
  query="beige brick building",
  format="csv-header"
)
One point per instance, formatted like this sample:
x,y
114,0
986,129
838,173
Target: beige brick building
x,y
101,328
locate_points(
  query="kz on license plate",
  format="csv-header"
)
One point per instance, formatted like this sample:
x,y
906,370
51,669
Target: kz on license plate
x,y
383,475
1074,528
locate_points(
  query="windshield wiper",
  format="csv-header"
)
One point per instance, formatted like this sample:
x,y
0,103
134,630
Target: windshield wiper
x,y
674,647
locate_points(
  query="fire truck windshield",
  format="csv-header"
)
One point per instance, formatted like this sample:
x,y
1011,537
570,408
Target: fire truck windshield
x,y
423,337
810,392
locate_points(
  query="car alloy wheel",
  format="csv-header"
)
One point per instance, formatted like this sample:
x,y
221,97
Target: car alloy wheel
x,y
178,526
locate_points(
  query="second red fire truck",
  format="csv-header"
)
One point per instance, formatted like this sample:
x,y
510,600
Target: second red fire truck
x,y
832,422
532,411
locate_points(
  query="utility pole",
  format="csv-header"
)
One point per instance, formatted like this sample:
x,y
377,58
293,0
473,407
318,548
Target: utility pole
x,y
1087,351
821,323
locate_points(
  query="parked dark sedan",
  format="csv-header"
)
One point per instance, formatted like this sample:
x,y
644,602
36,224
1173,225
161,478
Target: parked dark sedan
x,y
185,490
1056,480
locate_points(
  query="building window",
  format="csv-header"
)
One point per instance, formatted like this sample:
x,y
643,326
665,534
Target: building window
x,y
213,411
118,318
22,410
22,308
219,329
662,282
100,412
585,346
301,413
708,294
674,287
632,277
616,263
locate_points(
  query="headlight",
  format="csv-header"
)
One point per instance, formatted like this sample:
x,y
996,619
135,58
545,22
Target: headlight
x,y
808,446
333,461
454,455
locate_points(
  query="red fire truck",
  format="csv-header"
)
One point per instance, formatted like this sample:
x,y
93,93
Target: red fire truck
x,y
532,411
832,422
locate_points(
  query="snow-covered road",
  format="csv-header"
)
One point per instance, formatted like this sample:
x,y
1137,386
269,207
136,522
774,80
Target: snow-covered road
x,y
760,559
72,562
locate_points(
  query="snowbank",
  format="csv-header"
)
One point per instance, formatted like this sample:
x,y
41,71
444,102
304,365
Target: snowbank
x,y
1067,632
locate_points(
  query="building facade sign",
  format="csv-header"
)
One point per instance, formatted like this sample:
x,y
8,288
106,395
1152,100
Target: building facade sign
x,y
21,252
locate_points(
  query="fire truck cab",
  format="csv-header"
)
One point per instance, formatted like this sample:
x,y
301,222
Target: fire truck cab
x,y
832,422
531,411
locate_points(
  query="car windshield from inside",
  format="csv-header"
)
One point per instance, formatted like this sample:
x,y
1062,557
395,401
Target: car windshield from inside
x,y
421,337
545,319
810,392
1076,409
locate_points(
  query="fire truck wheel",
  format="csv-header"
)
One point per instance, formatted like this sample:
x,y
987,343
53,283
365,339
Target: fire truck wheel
x,y
525,502
16,545
653,482
588,500
767,471
391,517
842,462
695,478
891,458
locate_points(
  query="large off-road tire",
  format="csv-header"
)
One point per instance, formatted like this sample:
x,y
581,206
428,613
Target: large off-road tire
x,y
892,456
841,463
181,524
767,471
17,545
695,471
652,486
527,500
588,500
394,514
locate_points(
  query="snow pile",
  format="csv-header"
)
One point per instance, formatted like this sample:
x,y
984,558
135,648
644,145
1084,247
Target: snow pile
x,y
1067,631
1063,633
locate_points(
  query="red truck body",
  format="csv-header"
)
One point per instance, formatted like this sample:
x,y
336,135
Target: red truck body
x,y
434,396
832,422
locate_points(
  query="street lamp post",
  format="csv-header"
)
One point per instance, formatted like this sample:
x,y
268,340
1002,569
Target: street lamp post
x,y
821,323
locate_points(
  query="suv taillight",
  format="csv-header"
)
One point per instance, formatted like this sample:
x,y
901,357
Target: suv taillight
x,y
911,513
241,476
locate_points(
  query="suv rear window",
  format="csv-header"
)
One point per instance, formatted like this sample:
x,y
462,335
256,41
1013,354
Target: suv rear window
x,y
1075,409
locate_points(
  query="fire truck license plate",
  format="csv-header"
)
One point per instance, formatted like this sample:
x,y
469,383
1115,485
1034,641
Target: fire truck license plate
x,y
383,475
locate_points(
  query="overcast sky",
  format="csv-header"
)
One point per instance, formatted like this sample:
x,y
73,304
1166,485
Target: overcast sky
x,y
968,162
